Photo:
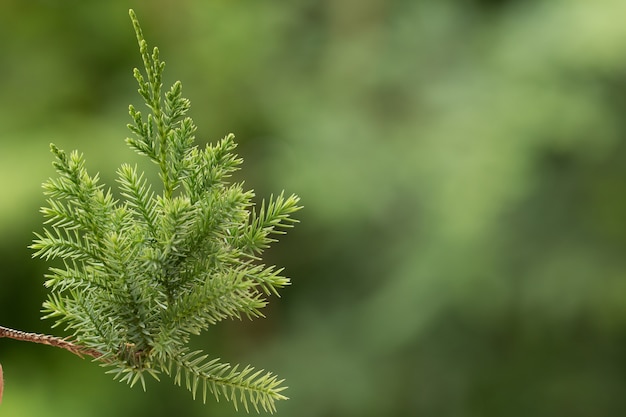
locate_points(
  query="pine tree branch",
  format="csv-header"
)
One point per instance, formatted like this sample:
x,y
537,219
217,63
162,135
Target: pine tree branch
x,y
260,388
142,274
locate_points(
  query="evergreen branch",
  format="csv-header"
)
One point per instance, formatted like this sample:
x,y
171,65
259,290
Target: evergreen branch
x,y
142,274
139,196
211,167
57,244
225,295
271,219
144,132
73,276
221,379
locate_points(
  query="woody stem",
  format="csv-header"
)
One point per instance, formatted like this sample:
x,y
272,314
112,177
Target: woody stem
x,y
48,340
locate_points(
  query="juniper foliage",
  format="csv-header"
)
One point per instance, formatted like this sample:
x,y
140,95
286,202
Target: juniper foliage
x,y
143,273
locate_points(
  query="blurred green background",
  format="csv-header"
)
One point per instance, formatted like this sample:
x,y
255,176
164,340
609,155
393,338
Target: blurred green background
x,y
462,164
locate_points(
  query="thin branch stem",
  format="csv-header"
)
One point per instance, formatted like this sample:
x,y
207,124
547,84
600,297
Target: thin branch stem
x,y
49,340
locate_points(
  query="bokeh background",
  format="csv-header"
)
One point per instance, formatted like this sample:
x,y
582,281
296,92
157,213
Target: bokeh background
x,y
462,164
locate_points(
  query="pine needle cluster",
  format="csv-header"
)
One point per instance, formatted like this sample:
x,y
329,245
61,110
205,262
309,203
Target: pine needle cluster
x,y
143,273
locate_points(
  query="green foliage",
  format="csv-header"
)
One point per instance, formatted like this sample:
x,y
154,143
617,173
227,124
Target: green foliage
x,y
143,273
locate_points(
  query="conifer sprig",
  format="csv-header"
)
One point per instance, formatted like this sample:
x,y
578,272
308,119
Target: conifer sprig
x,y
143,273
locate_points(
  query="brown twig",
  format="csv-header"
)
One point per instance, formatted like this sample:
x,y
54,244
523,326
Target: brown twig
x,y
49,340
45,340
1,383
